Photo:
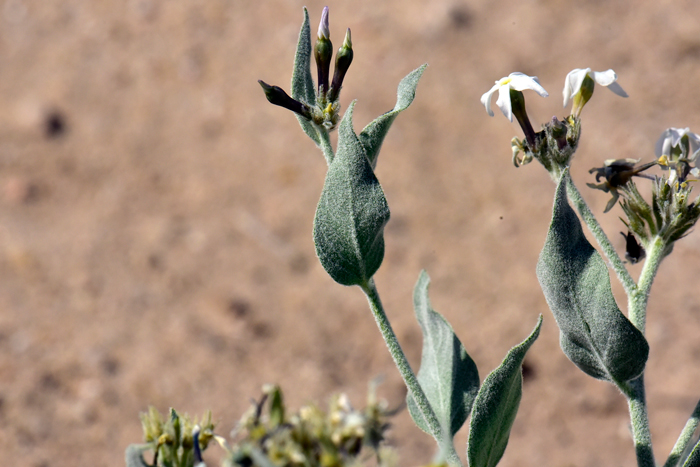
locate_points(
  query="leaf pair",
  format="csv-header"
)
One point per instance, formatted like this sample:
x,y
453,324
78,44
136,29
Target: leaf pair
x,y
352,212
450,380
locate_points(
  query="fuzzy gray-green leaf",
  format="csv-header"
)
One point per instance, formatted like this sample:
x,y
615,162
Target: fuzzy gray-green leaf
x,y
448,375
594,333
134,455
303,88
496,405
372,136
351,214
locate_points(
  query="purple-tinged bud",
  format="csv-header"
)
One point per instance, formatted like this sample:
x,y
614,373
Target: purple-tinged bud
x,y
323,52
343,59
276,95
324,31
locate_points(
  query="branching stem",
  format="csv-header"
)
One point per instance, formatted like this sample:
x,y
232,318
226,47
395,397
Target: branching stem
x,y
409,377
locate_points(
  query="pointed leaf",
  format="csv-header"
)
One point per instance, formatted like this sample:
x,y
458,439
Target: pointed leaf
x,y
594,333
351,214
372,136
448,375
693,459
303,88
496,405
134,455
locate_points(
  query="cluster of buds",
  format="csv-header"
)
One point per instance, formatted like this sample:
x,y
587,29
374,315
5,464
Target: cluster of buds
x,y
555,144
671,213
323,108
310,437
177,439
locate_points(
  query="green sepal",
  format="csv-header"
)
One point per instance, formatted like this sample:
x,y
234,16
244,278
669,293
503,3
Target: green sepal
x,y
448,375
693,459
134,455
351,214
303,87
372,136
594,333
496,405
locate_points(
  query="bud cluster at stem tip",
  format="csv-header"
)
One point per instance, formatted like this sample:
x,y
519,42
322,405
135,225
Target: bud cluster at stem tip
x,y
322,108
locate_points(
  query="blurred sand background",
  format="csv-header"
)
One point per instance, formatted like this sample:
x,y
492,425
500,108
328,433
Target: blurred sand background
x,y
156,214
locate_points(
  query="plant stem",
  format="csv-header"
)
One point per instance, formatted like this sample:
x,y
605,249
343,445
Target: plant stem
x,y
637,306
640,424
685,438
409,377
615,261
639,299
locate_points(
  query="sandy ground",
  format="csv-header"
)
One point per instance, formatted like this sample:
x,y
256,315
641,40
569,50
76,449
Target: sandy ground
x,y
156,214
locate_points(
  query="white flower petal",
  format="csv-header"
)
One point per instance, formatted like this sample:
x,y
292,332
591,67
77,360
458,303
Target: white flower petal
x,y
663,144
517,81
503,102
521,81
573,82
677,134
617,89
604,78
694,142
608,78
486,99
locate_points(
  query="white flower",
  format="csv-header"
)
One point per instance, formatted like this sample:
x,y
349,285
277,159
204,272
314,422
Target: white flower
x,y
516,81
574,80
671,138
675,150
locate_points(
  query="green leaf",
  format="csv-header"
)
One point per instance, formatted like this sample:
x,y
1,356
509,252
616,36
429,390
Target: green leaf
x,y
448,375
134,455
303,88
496,405
693,459
351,214
594,333
372,136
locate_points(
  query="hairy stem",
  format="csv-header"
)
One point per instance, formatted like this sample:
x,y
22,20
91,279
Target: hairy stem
x,y
640,424
407,373
639,299
615,261
685,438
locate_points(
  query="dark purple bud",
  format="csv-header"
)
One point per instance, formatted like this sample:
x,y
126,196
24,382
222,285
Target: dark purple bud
x,y
323,52
343,59
276,95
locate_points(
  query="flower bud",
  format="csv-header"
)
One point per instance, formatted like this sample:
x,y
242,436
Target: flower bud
x,y
343,59
323,52
276,95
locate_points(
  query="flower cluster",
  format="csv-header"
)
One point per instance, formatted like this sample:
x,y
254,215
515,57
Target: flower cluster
x,y
556,143
175,439
670,214
321,108
311,437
